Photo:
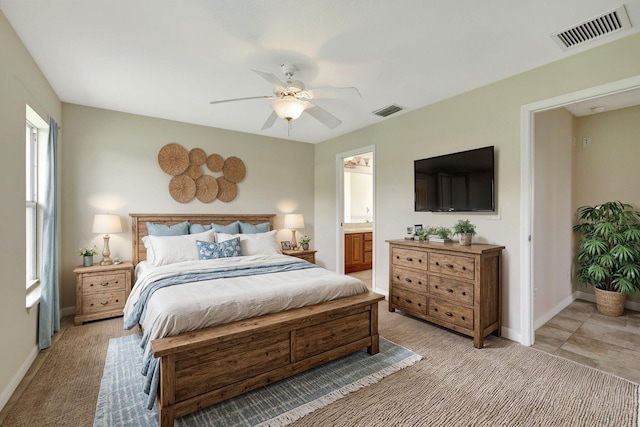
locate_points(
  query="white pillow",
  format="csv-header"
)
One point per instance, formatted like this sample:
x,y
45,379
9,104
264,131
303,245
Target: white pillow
x,y
255,244
163,250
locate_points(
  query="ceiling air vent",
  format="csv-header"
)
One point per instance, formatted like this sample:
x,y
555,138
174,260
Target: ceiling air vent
x,y
593,29
387,111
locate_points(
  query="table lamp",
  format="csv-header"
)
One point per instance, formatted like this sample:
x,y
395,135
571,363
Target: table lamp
x,y
105,224
293,221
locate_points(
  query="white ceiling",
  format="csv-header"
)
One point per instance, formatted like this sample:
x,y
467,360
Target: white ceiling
x,y
169,59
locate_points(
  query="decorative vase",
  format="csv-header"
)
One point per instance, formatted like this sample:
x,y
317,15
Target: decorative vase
x,y
465,239
87,260
610,303
305,246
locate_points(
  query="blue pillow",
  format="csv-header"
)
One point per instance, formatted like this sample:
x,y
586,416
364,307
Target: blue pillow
x,y
198,228
232,228
253,229
226,249
180,229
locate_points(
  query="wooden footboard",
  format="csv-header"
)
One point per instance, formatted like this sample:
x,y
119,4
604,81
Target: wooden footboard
x,y
201,368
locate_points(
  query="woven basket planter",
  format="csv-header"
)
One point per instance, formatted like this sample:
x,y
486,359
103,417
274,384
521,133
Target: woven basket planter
x,y
610,303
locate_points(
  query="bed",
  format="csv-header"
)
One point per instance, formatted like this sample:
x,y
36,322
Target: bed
x,y
201,367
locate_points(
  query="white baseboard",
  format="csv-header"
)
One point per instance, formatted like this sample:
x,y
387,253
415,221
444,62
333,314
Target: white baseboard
x,y
68,311
510,334
15,381
555,310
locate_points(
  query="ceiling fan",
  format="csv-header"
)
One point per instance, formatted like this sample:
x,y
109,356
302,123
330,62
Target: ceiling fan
x,y
291,98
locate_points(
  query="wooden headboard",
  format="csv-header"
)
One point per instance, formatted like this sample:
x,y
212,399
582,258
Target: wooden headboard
x,y
139,225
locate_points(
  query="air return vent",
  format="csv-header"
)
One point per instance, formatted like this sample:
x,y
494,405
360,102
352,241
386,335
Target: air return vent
x,y
593,29
387,111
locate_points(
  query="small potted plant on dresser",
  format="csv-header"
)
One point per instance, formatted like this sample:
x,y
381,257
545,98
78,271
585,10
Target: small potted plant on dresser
x,y
304,242
609,253
465,231
87,256
439,234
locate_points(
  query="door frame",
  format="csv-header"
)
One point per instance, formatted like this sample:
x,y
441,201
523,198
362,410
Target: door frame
x,y
527,202
340,206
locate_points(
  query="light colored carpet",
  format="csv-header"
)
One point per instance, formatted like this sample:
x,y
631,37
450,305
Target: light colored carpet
x,y
121,401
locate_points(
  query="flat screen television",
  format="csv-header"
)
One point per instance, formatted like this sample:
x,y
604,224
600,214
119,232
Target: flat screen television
x,y
455,182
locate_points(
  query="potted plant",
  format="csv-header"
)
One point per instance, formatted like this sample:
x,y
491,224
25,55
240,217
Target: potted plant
x,y
609,253
465,231
304,242
439,234
87,256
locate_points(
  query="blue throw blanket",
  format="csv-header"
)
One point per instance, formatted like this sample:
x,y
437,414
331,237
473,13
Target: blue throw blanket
x,y
151,365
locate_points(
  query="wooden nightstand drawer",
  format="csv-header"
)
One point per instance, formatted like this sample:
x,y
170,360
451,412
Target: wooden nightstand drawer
x,y
459,266
103,301
409,258
409,302
103,283
308,255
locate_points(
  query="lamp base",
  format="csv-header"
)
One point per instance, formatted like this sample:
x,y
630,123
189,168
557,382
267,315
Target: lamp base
x,y
106,252
294,244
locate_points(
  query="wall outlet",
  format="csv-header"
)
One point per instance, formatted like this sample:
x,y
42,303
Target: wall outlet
x,y
586,141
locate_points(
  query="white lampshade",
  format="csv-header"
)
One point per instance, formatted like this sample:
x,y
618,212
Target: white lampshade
x,y
293,221
106,223
288,107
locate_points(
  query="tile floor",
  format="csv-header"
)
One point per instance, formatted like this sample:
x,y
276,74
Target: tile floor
x,y
581,333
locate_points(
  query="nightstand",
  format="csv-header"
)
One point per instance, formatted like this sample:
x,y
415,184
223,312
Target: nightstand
x,y
309,255
101,291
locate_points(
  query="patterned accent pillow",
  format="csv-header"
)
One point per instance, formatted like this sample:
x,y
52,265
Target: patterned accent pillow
x,y
226,249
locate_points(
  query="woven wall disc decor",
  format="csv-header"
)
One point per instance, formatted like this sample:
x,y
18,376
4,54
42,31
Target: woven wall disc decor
x,y
197,157
182,188
173,159
227,190
206,189
234,169
189,177
215,162
194,171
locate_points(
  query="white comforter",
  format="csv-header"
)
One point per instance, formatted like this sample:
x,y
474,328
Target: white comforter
x,y
186,307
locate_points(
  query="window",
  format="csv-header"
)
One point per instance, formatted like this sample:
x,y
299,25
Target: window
x,y
36,129
32,203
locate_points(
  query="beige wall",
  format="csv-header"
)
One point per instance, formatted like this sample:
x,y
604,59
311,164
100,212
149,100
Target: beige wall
x,y
490,115
21,83
110,165
553,212
608,169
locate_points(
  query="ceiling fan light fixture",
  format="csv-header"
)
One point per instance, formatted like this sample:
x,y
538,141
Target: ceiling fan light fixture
x,y
288,107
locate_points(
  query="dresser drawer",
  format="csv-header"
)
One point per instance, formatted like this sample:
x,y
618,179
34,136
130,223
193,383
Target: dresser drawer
x,y
451,290
103,301
459,266
410,279
409,302
451,313
103,282
409,258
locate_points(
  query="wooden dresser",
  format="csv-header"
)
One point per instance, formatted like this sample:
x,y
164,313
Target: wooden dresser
x,y
454,286
101,291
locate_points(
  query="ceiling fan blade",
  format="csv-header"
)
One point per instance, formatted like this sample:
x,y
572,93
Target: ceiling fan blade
x,y
323,116
241,99
334,92
271,78
270,121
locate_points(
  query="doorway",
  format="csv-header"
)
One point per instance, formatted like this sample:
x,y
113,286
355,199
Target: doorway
x,y
528,202
356,214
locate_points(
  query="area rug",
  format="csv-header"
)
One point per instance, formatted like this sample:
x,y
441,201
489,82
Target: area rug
x,y
121,400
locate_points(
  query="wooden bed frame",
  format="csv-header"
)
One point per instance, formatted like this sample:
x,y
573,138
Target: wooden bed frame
x,y
204,367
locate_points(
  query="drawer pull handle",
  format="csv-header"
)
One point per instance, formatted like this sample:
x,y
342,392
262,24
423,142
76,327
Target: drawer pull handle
x,y
448,313
449,290
104,283
398,277
397,256
407,280
464,268
104,303
463,318
409,259
449,265
436,286
464,293
437,263
408,301
420,260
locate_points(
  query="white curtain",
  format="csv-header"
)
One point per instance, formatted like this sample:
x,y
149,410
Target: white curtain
x,y
49,319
